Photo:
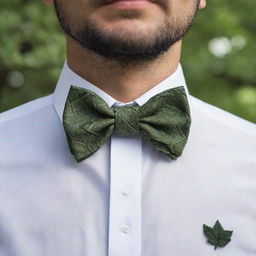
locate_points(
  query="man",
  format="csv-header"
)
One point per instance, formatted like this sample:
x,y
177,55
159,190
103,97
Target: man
x,y
120,160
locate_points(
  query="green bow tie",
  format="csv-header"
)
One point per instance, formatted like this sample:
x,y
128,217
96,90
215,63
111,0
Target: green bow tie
x,y
164,121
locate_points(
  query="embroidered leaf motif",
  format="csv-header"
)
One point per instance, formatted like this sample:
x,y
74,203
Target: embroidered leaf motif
x,y
217,236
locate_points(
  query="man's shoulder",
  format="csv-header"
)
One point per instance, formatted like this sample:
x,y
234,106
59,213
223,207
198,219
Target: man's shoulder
x,y
28,132
221,117
25,109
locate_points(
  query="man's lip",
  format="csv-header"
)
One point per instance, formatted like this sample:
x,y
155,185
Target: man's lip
x,y
112,1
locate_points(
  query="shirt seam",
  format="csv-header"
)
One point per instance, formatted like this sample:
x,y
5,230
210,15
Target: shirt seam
x,y
21,115
231,115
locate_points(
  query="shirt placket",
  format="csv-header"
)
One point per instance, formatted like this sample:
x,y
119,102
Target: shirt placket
x,y
125,196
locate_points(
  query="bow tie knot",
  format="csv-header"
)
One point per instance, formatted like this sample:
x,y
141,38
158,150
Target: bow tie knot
x,y
126,121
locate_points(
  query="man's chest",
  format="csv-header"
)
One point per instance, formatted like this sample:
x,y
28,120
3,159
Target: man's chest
x,y
67,212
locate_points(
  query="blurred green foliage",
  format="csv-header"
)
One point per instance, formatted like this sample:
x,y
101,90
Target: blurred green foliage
x,y
218,54
32,51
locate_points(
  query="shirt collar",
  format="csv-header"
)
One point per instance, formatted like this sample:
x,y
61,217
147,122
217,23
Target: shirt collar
x,y
68,77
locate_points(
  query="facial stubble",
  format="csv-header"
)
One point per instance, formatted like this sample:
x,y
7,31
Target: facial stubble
x,y
116,45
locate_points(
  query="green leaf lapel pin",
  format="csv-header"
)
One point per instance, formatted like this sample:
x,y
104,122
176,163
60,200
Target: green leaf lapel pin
x,y
217,236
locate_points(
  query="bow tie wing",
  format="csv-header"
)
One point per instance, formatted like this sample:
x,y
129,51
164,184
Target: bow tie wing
x,y
88,122
165,121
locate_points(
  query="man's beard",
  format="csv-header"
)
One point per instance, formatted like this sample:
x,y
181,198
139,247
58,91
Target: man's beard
x,y
116,46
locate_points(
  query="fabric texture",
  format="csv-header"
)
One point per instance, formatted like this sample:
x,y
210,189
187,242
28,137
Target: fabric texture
x,y
164,121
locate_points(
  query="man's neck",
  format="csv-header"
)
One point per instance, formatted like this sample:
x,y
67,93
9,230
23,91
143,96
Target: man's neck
x,y
123,83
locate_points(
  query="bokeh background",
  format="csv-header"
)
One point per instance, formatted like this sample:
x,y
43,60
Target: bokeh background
x,y
218,56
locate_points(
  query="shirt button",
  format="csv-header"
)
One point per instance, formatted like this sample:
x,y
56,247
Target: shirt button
x,y
125,229
124,193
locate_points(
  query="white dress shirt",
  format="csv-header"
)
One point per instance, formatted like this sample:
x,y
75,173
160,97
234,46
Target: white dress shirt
x,y
126,199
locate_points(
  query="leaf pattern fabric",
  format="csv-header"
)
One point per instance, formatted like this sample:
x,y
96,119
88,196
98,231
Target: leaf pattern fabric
x,y
164,121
